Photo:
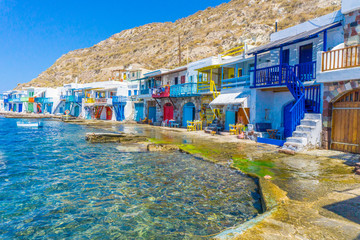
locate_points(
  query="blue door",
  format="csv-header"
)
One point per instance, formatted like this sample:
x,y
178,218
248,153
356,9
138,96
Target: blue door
x,y
20,107
188,113
229,119
152,113
76,111
49,108
139,111
287,120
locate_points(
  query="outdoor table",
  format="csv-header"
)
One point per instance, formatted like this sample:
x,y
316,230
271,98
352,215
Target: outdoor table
x,y
172,123
272,133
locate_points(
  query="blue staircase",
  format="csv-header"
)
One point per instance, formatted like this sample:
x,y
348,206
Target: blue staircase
x,y
297,111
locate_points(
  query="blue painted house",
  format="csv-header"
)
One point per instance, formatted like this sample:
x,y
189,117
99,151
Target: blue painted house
x,y
285,94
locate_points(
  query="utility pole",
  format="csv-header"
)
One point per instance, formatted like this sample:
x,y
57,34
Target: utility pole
x,y
179,50
187,54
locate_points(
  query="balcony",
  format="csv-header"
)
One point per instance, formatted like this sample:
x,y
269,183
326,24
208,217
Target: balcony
x,y
119,99
344,58
89,100
183,90
43,100
24,99
100,100
72,98
15,100
243,81
161,92
146,91
277,75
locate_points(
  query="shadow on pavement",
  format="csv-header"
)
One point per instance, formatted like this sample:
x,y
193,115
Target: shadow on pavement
x,y
348,209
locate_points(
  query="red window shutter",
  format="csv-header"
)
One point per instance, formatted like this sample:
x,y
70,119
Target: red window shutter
x,y
182,79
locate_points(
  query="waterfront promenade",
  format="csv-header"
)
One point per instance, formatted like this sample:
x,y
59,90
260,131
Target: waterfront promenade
x,y
311,195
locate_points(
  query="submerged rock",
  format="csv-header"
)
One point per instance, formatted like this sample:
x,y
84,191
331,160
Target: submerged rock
x,y
162,147
132,147
113,137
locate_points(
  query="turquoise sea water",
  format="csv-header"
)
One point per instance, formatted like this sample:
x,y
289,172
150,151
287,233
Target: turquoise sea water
x,y
55,185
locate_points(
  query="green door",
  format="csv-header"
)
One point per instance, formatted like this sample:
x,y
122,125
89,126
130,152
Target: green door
x,y
31,107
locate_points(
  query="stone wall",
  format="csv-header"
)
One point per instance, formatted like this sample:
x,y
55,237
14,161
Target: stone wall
x,y
352,28
332,92
178,108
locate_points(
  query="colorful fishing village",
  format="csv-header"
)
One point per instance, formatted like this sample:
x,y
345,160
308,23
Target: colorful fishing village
x,y
286,113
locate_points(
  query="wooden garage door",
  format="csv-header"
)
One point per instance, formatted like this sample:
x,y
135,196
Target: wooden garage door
x,y
346,123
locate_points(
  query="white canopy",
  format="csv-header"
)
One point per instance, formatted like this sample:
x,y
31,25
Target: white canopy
x,y
230,99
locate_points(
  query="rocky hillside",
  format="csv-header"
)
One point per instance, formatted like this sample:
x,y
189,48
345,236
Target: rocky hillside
x,y
202,34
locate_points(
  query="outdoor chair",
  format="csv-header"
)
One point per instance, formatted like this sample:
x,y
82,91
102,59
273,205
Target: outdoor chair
x,y
164,123
232,129
191,126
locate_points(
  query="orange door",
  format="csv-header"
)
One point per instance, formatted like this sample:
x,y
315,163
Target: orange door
x,y
108,113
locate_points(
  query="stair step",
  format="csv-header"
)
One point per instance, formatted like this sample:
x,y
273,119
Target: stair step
x,y
293,146
301,134
309,122
315,116
297,140
305,128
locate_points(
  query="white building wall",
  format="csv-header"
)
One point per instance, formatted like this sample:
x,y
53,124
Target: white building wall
x,y
267,107
348,6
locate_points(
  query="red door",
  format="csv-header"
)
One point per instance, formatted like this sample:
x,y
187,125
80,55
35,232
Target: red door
x,y
108,113
182,79
168,112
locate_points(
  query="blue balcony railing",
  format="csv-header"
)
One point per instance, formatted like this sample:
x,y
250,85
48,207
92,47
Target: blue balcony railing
x,y
145,91
306,71
43,100
14,99
243,81
72,98
278,74
184,90
119,99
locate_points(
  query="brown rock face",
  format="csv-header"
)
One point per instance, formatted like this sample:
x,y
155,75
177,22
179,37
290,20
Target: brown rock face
x,y
203,34
111,137
162,147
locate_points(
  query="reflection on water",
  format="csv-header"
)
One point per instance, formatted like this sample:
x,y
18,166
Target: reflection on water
x,y
56,185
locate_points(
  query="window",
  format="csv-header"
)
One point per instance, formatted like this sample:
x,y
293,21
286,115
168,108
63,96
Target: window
x,y
129,93
135,92
176,80
191,78
182,79
286,56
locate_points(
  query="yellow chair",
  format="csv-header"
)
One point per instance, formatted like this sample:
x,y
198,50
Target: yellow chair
x,y
198,125
232,129
191,126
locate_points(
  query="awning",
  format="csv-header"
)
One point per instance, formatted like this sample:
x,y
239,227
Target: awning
x,y
293,39
230,99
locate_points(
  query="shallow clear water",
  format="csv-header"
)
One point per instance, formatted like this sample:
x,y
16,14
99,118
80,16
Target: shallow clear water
x,y
53,184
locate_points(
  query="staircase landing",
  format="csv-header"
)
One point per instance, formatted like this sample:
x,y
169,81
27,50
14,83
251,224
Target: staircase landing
x,y
307,134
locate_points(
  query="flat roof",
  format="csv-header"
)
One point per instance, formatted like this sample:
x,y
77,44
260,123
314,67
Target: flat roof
x,y
293,39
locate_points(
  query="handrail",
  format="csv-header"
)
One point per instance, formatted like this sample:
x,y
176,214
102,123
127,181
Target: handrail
x,y
276,75
306,71
184,89
296,88
343,58
235,82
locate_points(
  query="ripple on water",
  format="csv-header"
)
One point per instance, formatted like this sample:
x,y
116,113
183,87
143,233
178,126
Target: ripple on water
x,y
62,187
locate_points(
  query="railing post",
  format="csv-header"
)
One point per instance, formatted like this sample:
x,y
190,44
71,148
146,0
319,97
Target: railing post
x,y
281,63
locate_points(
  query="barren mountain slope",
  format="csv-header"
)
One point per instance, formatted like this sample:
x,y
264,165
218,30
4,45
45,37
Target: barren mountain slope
x,y
203,34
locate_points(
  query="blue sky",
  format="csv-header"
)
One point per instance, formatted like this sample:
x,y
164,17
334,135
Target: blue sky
x,y
34,33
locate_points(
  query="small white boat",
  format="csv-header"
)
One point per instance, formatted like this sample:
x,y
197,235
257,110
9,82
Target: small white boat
x,y
29,124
